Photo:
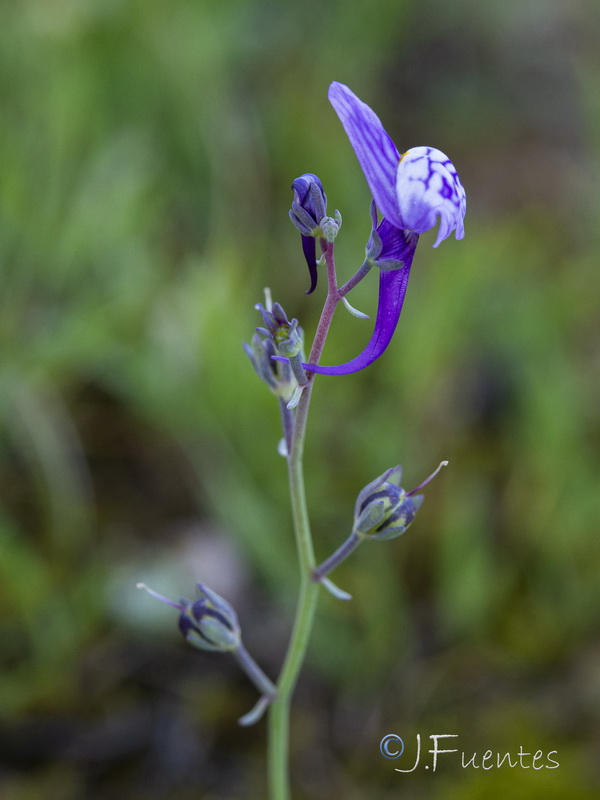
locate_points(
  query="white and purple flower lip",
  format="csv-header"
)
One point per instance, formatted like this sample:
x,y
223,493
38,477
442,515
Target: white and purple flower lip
x,y
412,192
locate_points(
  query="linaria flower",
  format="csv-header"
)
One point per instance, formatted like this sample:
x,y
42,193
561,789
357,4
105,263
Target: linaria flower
x,y
411,191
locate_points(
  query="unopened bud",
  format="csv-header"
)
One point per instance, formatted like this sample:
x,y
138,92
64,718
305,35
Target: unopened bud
x,y
276,374
309,214
286,336
309,205
386,512
384,509
209,622
330,227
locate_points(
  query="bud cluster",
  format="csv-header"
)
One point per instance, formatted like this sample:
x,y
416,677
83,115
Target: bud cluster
x,y
285,338
279,336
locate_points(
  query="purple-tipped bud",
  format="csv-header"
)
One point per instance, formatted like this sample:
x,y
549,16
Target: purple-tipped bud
x,y
384,510
209,622
308,214
309,204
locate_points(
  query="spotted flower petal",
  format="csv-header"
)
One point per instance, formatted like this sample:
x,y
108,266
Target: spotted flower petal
x,y
428,188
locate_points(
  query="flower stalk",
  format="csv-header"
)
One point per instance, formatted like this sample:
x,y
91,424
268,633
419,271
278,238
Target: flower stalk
x,y
279,712
412,193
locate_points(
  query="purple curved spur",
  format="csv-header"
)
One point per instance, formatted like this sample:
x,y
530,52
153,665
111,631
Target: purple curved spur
x,y
395,249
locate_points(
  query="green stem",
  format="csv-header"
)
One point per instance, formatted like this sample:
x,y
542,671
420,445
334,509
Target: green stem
x,y
341,554
279,712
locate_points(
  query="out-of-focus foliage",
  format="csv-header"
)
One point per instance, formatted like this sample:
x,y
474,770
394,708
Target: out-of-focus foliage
x,y
146,152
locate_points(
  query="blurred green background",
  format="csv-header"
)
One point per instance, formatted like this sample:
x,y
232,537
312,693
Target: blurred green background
x,y
146,153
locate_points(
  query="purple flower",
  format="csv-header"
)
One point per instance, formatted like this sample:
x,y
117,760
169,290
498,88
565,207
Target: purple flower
x,y
412,191
389,247
392,289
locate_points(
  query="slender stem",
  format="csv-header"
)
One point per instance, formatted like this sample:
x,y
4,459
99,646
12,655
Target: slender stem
x,y
354,280
279,713
341,554
253,671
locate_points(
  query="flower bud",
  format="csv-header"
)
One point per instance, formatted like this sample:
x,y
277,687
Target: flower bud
x,y
286,336
383,509
276,374
308,214
330,227
309,205
209,622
